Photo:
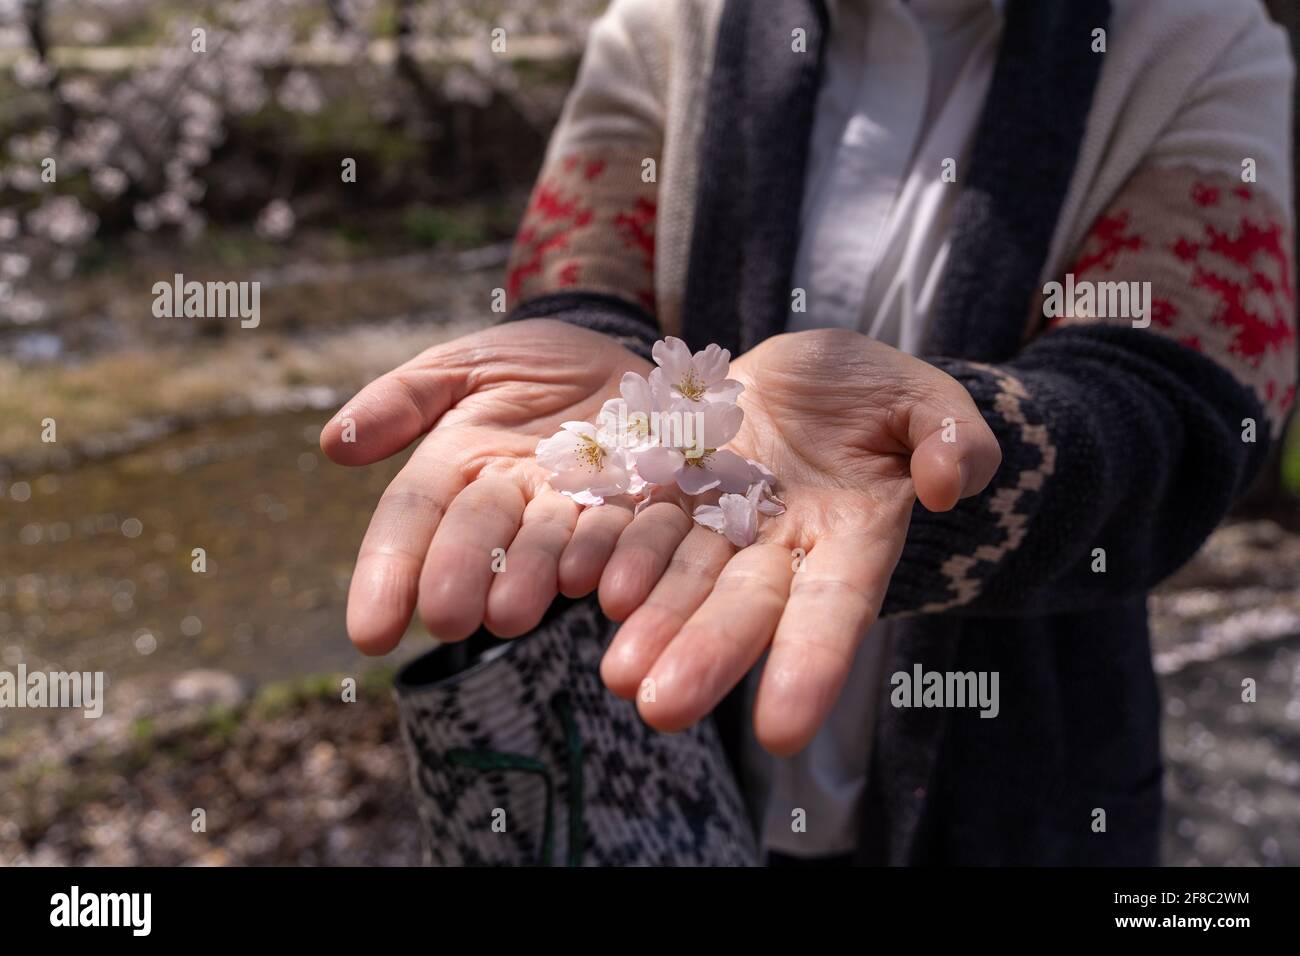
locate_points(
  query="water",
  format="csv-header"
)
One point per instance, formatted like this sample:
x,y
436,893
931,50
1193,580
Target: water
x,y
96,563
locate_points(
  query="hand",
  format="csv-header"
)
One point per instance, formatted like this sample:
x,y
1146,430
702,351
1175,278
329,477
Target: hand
x,y
854,431
484,400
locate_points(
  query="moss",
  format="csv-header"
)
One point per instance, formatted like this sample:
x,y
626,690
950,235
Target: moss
x,y
221,723
273,700
283,697
378,680
317,686
142,730
240,248
431,226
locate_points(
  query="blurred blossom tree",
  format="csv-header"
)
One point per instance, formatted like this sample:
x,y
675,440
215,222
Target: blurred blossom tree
x,y
139,125
116,129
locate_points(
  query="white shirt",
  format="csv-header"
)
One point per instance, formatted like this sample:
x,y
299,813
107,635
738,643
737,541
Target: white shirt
x,y
902,91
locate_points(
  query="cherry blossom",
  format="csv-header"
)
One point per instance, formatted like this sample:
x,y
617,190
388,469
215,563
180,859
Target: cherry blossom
x,y
706,464
632,416
664,435
701,377
587,465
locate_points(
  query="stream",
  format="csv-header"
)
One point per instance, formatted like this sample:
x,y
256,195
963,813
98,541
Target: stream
x,y
96,566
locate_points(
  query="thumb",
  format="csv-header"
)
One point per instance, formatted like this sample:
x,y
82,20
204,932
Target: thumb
x,y
954,452
391,412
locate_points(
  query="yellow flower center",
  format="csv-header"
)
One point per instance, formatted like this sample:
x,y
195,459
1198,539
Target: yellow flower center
x,y
690,386
590,453
696,459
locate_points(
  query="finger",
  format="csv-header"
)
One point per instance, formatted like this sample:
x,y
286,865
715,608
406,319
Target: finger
x,y
954,452
392,411
589,550
643,551
527,582
386,579
835,597
686,582
721,641
458,568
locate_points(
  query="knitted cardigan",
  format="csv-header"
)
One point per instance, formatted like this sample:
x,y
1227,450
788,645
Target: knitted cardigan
x,y
669,202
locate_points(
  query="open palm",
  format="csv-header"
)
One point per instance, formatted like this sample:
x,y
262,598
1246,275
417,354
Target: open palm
x,y
855,432
473,486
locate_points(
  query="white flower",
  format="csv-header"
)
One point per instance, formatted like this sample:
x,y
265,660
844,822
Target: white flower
x,y
14,266
586,465
706,465
632,419
62,220
275,221
109,181
300,94
29,72
665,433
734,516
698,378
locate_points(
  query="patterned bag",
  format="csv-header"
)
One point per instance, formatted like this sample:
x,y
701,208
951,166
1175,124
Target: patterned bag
x,y
520,755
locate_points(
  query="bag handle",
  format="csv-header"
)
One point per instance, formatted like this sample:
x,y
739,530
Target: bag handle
x,y
487,761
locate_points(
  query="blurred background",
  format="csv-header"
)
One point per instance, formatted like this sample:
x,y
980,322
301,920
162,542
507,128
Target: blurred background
x,y
224,687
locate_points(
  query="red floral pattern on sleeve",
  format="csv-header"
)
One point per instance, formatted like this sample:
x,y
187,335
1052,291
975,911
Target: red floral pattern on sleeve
x,y
1218,255
590,225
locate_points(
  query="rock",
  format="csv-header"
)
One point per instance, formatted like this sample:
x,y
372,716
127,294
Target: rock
x,y
209,687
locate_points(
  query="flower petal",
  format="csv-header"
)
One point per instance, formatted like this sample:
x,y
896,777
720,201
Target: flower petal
x,y
711,517
580,428
610,415
732,471
612,480
761,474
711,364
672,355
659,465
679,425
728,390
661,390
636,392
559,452
571,480
740,514
720,422
697,479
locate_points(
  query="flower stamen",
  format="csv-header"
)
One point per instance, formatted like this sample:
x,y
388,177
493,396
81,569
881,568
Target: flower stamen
x,y
590,453
690,386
